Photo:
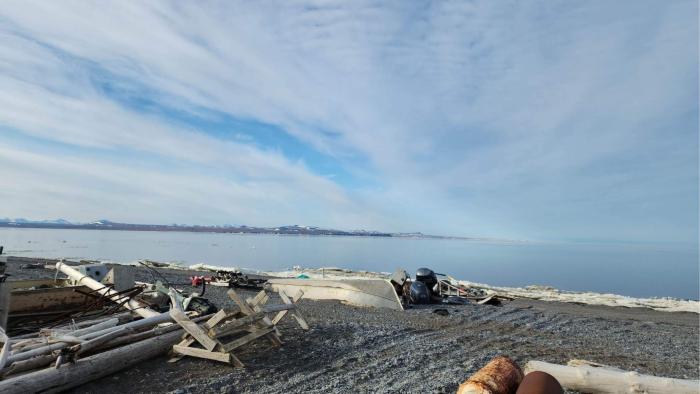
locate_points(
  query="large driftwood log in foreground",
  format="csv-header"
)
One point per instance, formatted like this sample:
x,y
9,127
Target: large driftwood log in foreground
x,y
51,380
596,378
501,375
81,279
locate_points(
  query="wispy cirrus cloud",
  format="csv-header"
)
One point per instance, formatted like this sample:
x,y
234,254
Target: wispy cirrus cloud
x,y
531,120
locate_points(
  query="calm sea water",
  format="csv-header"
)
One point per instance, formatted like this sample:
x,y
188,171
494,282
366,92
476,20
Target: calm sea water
x,y
638,270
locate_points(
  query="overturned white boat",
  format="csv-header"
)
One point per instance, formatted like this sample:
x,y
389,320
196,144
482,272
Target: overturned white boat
x,y
379,293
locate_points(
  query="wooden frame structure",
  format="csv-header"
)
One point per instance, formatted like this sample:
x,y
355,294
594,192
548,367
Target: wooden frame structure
x,y
231,329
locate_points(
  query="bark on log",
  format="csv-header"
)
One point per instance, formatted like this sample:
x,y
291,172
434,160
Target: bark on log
x,y
500,376
51,380
596,378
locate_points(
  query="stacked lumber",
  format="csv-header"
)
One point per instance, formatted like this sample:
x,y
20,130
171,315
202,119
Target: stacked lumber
x,y
231,329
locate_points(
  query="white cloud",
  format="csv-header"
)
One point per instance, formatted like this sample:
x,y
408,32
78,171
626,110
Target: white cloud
x,y
475,117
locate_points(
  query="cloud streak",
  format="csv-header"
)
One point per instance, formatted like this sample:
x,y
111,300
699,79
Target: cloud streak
x,y
556,120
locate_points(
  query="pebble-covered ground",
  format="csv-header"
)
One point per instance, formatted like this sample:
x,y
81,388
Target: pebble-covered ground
x,y
360,350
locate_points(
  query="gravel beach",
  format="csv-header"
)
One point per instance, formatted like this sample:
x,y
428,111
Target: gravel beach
x,y
352,349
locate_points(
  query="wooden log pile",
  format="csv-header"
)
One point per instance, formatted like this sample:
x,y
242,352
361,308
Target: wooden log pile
x,y
66,356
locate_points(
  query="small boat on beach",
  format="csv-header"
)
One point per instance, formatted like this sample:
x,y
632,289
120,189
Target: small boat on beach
x,y
379,293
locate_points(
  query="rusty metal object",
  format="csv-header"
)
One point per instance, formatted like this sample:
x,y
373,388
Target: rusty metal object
x,y
539,382
500,376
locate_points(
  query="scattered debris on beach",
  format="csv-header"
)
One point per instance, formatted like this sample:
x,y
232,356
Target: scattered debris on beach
x,y
80,331
96,320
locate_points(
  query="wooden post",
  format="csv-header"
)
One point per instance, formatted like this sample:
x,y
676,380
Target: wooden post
x,y
4,303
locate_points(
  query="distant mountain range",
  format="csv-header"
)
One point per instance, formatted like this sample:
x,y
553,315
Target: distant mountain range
x,y
104,224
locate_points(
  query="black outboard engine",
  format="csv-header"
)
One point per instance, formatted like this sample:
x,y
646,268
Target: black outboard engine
x,y
427,276
419,293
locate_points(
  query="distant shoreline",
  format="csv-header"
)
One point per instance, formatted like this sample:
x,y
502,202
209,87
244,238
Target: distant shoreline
x,y
285,230
281,230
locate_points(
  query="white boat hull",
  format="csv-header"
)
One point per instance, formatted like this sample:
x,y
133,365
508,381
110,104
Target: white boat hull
x,y
378,293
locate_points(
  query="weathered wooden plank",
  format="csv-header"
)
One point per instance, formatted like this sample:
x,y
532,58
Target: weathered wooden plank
x,y
192,328
202,353
213,321
52,299
234,325
239,301
281,314
273,337
245,308
295,313
259,298
246,339
27,284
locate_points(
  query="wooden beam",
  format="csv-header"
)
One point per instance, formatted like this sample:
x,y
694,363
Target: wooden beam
x,y
202,353
192,328
246,339
241,304
281,314
295,313
245,308
213,321
259,298
234,325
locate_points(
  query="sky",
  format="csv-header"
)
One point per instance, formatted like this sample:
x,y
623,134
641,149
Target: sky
x,y
537,120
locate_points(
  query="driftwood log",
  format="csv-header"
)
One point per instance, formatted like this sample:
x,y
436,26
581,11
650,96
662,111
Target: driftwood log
x,y
45,360
161,318
590,377
52,380
501,375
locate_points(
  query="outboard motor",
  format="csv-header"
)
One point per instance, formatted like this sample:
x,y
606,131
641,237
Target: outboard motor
x,y
419,293
427,276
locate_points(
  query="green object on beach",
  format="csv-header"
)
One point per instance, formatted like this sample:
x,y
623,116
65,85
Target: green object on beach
x,y
302,276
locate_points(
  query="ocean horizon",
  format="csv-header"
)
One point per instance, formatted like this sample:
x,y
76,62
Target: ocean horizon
x,y
629,269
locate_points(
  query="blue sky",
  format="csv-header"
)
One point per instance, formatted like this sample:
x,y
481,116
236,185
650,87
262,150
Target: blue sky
x,y
571,120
